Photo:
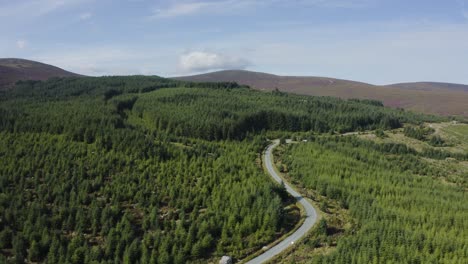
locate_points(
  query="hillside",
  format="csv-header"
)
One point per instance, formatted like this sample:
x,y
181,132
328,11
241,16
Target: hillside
x,y
425,97
428,86
387,197
143,169
13,70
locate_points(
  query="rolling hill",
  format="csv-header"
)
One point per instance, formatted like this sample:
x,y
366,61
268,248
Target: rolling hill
x,y
425,97
13,70
143,169
429,86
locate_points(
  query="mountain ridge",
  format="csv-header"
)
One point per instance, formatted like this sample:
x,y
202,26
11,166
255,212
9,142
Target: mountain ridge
x,y
15,69
427,97
422,85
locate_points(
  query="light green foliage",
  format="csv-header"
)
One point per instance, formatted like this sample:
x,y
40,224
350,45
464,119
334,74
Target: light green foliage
x,y
404,214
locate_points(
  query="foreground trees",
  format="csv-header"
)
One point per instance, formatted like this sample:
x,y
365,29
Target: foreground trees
x,y
150,170
68,201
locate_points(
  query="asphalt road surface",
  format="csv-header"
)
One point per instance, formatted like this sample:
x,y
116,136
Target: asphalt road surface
x,y
310,213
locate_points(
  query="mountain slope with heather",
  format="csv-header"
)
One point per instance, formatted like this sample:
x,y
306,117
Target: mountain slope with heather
x,y
425,97
13,70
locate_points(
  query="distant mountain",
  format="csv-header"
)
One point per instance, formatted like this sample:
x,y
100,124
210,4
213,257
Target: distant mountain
x,y
431,86
13,70
426,97
265,81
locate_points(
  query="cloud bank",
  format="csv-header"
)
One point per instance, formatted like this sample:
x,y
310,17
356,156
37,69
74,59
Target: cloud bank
x,y
86,16
181,8
21,44
199,61
187,8
34,8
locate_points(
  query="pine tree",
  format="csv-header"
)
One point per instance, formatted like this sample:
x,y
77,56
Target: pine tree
x,y
34,254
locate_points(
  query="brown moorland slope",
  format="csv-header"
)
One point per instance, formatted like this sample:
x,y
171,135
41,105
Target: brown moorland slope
x,y
13,70
431,86
425,97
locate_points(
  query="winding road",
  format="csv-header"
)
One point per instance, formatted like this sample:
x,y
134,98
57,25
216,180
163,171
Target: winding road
x,y
310,213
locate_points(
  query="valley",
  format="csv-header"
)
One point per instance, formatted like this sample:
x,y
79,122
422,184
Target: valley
x,y
233,132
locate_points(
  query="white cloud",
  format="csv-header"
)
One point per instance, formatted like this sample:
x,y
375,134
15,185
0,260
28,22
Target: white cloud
x,y
90,61
86,16
21,44
121,60
464,11
415,54
180,9
34,8
197,7
199,61
185,8
109,60
347,4
376,52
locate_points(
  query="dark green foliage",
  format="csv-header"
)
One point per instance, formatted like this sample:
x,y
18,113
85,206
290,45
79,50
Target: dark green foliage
x,y
73,107
232,114
368,101
19,249
34,252
322,227
379,133
283,140
419,133
123,195
441,154
6,236
128,193
111,93
436,141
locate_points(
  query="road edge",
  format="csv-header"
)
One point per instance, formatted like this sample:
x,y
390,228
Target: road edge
x,y
312,218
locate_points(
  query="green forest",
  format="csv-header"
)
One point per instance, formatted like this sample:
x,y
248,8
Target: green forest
x,y
150,170
406,208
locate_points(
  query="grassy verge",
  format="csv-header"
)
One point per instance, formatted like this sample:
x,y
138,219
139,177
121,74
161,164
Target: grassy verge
x,y
455,140
298,222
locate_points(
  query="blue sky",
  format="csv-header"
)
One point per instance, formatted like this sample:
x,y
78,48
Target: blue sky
x,y
376,41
